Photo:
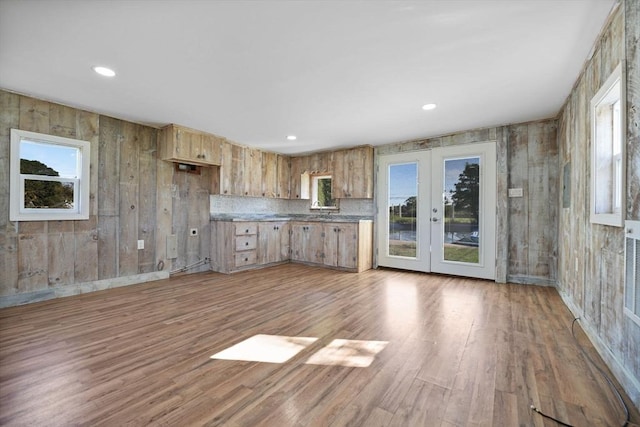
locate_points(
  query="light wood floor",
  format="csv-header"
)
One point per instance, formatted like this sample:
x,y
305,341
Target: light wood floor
x,y
460,352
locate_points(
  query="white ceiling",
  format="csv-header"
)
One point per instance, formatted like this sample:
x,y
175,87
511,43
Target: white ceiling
x,y
334,73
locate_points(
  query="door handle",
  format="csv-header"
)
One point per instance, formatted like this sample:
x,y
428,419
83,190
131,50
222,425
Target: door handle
x,y
434,219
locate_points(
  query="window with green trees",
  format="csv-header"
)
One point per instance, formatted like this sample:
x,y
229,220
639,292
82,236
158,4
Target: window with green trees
x,y
49,177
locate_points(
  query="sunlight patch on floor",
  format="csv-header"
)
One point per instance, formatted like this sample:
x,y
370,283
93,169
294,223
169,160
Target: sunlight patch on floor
x,y
265,348
351,353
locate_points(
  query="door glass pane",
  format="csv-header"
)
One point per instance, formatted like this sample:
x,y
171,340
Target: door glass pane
x,y
461,199
402,203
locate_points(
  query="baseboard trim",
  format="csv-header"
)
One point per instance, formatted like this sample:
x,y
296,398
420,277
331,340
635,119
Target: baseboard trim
x,y
531,280
630,384
80,288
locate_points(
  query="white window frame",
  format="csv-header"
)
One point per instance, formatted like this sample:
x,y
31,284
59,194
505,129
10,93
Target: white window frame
x,y
17,210
608,169
314,192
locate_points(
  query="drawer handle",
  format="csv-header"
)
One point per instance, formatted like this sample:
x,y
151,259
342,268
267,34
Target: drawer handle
x,y
246,243
246,231
246,259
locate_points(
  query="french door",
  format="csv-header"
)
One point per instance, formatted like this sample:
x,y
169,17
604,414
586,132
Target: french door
x,y
437,211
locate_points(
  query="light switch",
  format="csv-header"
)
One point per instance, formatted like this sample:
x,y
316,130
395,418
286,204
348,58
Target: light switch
x,y
140,244
515,192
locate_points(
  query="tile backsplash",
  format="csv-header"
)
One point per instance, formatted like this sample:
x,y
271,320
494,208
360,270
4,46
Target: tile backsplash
x,y
220,204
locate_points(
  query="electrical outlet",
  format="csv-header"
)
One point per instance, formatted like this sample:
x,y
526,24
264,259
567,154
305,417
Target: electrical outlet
x,y
193,232
140,244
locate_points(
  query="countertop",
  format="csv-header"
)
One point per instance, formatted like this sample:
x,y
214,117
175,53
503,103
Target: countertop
x,y
294,217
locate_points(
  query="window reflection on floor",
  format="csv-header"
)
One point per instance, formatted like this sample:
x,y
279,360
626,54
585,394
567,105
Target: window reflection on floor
x,y
279,349
357,354
266,348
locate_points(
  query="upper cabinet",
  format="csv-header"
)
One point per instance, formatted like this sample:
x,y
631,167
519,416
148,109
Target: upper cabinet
x,y
275,175
299,166
231,169
252,172
246,171
184,145
352,173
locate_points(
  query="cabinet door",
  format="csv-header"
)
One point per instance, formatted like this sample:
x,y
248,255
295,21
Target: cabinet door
x,y
341,245
252,172
270,175
285,240
232,166
284,176
299,188
330,245
210,149
353,173
307,242
319,163
273,243
347,254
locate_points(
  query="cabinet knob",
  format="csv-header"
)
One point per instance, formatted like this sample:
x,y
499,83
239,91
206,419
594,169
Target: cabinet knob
x,y
246,231
246,243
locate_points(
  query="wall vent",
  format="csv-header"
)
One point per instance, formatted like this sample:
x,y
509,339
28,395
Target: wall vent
x,y
632,270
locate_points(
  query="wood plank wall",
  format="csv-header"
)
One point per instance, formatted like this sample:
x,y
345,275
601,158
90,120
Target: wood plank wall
x,y
591,256
36,257
527,158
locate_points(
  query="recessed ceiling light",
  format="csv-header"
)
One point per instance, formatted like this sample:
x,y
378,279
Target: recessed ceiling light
x,y
292,137
104,71
428,107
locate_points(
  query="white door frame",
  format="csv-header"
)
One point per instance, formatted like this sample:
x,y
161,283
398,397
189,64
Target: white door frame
x,y
422,260
486,267
429,233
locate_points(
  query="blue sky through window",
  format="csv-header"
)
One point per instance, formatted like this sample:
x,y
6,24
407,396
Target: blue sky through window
x,y
60,158
403,178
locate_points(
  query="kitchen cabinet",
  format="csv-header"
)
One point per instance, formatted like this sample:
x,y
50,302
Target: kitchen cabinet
x,y
242,245
183,145
284,174
275,175
299,166
252,173
233,245
273,242
352,173
232,169
348,245
307,240
340,245
269,174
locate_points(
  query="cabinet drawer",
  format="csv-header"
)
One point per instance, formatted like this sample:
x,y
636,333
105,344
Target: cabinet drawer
x,y
246,229
245,243
245,258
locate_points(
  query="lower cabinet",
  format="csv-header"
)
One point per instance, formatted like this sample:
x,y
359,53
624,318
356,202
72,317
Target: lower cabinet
x,y
349,245
239,245
341,245
307,242
234,245
273,242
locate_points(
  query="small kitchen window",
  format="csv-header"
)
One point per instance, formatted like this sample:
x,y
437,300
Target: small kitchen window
x,y
321,197
49,177
608,151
